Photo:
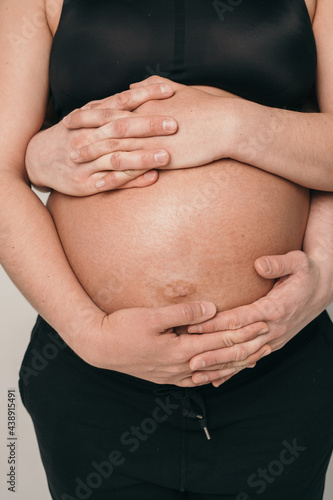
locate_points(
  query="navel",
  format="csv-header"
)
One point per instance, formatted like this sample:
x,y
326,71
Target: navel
x,y
178,289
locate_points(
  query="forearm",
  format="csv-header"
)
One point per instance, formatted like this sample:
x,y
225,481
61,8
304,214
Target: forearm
x,y
295,145
318,240
32,255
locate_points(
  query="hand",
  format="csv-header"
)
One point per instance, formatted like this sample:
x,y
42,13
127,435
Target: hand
x,y
203,125
48,161
292,303
141,342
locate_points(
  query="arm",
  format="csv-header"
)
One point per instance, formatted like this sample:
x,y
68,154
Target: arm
x,y
30,249
302,147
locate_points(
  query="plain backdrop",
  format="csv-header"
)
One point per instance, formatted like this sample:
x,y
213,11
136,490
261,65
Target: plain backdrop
x,y
16,320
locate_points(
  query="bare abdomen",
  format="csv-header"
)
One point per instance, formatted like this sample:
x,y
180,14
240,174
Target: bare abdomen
x,y
193,235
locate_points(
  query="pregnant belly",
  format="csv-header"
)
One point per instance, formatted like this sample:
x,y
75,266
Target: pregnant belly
x,y
192,235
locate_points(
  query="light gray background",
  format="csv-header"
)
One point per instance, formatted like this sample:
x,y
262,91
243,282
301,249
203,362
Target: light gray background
x,y
16,321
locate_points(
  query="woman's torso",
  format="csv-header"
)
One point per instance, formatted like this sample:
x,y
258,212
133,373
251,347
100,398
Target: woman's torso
x,y
195,233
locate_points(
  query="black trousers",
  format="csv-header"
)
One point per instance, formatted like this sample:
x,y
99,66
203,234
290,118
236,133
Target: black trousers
x,y
104,435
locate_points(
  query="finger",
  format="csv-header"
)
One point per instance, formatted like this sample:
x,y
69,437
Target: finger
x,y
248,332
275,266
251,360
91,118
185,313
126,179
100,148
139,126
132,160
154,79
230,368
205,378
237,353
234,319
121,135
133,98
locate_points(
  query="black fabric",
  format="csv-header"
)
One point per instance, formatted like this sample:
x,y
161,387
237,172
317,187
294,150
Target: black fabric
x,y
105,435
261,50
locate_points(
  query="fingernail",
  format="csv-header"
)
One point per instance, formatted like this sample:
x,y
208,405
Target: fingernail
x,y
67,119
161,157
208,308
150,175
100,183
194,329
166,89
198,364
265,265
169,125
263,331
75,154
201,378
266,353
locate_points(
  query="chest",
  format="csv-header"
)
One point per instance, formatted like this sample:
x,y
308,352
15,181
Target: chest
x,y
261,50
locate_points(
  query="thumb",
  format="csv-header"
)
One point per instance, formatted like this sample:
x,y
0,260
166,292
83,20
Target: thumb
x,y
185,313
276,266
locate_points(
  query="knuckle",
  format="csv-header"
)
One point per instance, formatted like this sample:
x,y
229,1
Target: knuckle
x,y
112,144
188,313
85,152
131,173
154,125
120,127
241,352
213,360
107,114
145,159
235,322
79,139
226,366
115,160
228,339
122,99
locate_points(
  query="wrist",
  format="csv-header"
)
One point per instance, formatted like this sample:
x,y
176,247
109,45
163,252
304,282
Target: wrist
x,y
232,119
82,331
323,260
31,160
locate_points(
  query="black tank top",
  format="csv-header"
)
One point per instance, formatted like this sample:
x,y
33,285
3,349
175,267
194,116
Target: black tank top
x,y
262,50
